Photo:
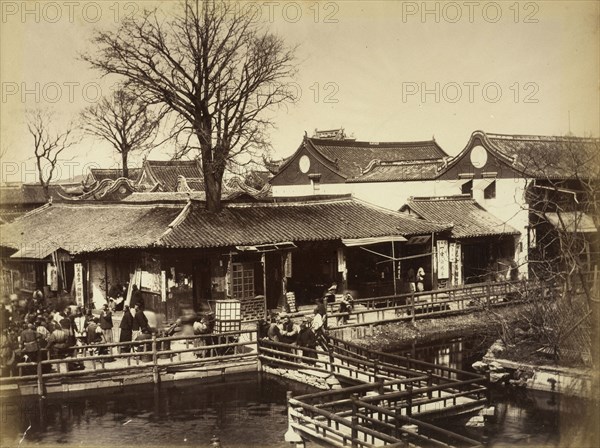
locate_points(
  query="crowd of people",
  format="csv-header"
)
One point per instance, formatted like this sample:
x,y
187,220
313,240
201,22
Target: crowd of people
x,y
312,330
33,329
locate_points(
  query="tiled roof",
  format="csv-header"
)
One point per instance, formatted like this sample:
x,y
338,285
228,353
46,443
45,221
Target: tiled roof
x,y
95,227
166,173
549,157
469,218
268,222
100,174
348,156
399,171
257,179
91,227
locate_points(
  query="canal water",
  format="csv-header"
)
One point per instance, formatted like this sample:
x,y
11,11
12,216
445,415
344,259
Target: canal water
x,y
251,411
523,418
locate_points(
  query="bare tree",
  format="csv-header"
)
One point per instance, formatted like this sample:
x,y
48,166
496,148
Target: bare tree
x,y
48,144
125,121
214,65
562,201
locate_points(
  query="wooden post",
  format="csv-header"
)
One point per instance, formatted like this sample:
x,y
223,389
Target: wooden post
x,y
429,382
354,421
409,390
263,261
40,378
394,267
397,413
412,307
258,363
380,387
155,372
404,438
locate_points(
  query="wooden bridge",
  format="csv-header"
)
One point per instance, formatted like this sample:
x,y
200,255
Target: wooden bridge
x,y
386,399
389,399
441,302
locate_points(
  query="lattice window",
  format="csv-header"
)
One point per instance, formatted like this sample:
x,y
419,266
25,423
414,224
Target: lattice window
x,y
242,280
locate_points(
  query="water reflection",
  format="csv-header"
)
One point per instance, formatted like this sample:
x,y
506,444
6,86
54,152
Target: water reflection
x,y
250,411
244,412
523,418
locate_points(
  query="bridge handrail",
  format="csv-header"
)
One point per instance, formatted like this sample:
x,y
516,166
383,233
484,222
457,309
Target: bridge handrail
x,y
411,361
453,289
419,423
276,357
152,348
334,417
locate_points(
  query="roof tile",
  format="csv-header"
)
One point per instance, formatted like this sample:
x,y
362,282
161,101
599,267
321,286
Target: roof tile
x,y
469,218
350,157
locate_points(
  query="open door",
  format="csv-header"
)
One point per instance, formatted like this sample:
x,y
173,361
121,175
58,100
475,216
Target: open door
x,y
274,291
202,286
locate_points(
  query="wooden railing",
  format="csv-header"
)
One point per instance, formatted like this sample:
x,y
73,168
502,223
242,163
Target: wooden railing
x,y
391,391
446,301
366,416
155,355
391,362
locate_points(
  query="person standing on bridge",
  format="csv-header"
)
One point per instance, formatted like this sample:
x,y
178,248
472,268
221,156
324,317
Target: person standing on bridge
x,y
126,327
307,340
412,280
346,306
420,279
321,310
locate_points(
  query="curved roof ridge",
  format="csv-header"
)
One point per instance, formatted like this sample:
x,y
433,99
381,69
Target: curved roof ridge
x,y
351,142
172,162
535,137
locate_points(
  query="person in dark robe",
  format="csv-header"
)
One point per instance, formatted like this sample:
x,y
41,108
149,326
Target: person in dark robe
x,y
307,339
137,297
106,323
140,321
321,309
126,327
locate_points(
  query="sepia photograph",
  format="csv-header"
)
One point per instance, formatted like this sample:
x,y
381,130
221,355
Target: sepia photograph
x,y
292,224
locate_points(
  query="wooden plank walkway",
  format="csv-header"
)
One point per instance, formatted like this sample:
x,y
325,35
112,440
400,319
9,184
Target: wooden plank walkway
x,y
388,393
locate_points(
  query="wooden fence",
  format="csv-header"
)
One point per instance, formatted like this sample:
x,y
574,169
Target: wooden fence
x,y
151,355
439,302
389,392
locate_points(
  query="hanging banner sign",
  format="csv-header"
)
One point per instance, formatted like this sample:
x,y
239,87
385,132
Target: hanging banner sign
x,y
163,286
341,260
287,265
78,280
459,265
442,259
452,252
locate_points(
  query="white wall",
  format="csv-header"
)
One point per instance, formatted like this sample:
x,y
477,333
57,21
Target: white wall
x,y
509,205
308,190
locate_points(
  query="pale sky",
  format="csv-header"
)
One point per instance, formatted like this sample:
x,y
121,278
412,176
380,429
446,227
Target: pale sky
x,y
385,71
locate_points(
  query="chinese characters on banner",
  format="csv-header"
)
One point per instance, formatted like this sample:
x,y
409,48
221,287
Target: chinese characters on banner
x,y
78,284
287,265
163,286
442,259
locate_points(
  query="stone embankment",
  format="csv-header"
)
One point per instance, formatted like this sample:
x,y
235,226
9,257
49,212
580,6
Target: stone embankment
x,y
564,380
314,378
388,337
